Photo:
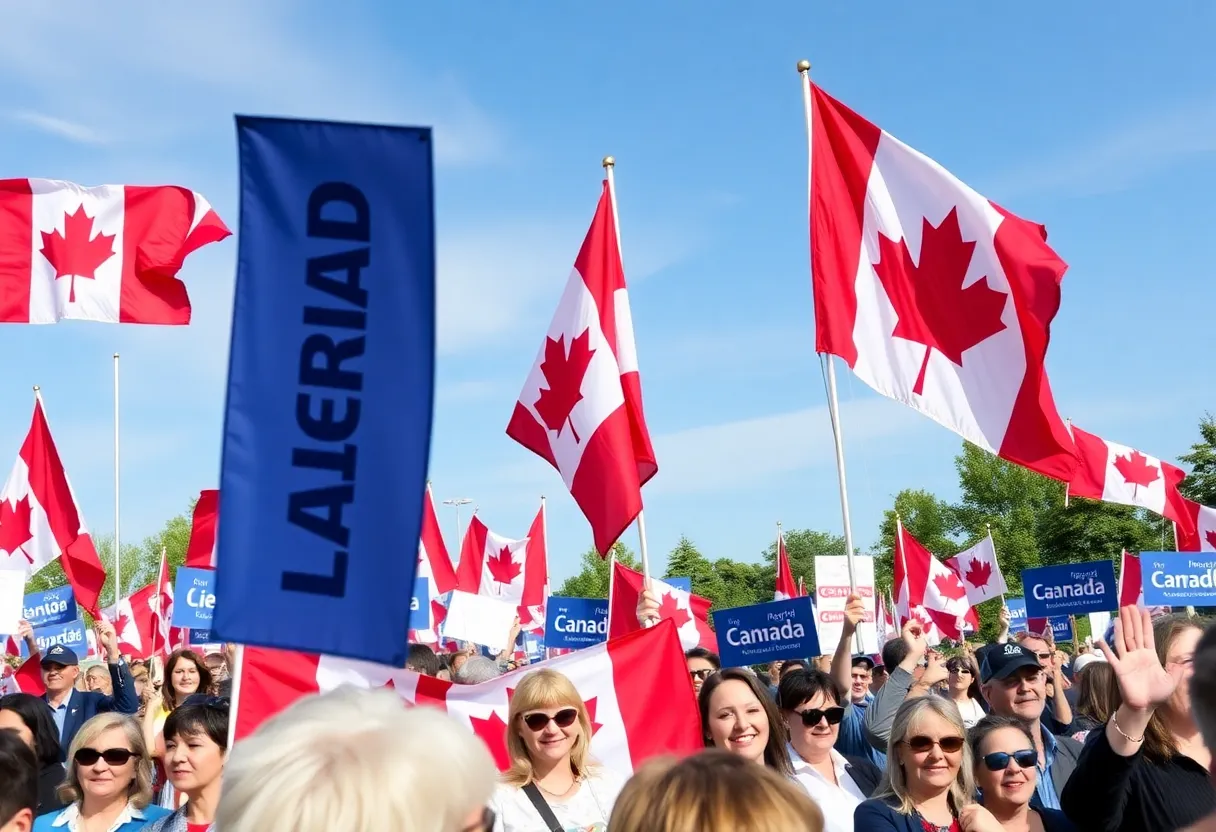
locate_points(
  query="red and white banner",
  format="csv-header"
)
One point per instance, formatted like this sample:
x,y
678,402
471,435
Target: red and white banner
x,y
109,253
581,406
1116,473
690,613
200,551
616,680
979,572
933,295
40,520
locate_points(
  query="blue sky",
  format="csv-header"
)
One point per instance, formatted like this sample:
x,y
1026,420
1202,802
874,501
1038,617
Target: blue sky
x,y
1103,127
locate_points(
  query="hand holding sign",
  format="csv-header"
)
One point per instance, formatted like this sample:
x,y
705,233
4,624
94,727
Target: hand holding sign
x,y
854,614
24,630
1143,682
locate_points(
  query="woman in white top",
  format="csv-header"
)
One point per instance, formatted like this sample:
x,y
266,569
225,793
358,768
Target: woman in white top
x,y
963,689
552,783
810,702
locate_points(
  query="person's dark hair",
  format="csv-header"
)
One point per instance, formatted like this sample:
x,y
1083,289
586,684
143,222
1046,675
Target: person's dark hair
x,y
802,686
19,774
708,655
205,681
422,659
992,722
37,717
776,755
894,652
793,665
199,716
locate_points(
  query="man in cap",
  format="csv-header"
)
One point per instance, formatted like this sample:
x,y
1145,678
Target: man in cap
x,y
71,708
1014,683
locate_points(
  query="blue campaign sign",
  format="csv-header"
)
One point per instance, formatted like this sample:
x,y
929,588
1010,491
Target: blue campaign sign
x,y
420,605
680,583
194,598
1070,589
1061,628
327,426
70,634
54,606
572,623
198,637
766,632
1178,579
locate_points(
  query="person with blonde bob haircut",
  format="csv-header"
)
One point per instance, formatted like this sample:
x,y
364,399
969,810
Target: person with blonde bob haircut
x,y
714,791
552,782
356,759
929,782
109,779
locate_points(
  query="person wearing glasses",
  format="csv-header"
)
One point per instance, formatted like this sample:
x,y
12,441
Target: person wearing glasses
x,y
109,780
963,689
702,664
929,784
196,744
552,783
810,702
1005,773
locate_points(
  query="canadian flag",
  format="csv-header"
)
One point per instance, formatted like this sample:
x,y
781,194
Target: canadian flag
x,y
1195,531
200,551
40,520
436,567
690,613
616,681
928,591
979,572
532,615
581,406
509,570
884,621
135,622
786,588
25,679
165,638
933,295
1116,473
109,253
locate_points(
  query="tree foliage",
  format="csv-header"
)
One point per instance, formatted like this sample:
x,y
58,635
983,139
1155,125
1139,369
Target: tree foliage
x,y
1200,483
592,580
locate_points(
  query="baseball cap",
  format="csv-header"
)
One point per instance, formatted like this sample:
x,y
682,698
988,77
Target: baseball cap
x,y
1085,660
58,654
1000,661
863,659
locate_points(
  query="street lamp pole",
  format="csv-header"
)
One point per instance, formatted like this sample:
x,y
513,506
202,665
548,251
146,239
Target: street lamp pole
x,y
456,504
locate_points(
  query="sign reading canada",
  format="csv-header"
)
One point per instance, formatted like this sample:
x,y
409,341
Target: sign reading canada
x,y
1070,589
571,623
766,632
1178,579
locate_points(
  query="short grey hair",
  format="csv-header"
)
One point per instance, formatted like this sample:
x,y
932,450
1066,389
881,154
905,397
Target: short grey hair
x,y
1203,686
355,759
475,670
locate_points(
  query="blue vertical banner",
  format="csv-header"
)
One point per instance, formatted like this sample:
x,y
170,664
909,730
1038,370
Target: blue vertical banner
x,y
330,385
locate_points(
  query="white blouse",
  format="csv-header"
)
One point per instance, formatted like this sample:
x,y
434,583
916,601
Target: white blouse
x,y
587,810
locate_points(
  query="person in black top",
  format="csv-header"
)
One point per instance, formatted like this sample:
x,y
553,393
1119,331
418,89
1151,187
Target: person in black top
x,y
18,783
29,718
1203,705
1147,769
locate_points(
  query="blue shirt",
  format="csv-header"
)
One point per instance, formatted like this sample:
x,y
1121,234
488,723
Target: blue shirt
x,y
1045,789
851,741
60,714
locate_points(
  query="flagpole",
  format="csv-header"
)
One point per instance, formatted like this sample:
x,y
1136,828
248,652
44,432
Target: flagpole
x,y
609,164
804,70
992,543
117,504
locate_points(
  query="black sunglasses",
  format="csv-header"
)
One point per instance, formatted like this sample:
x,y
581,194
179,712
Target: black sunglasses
x,y
959,667
947,744
563,718
702,674
112,756
812,716
999,760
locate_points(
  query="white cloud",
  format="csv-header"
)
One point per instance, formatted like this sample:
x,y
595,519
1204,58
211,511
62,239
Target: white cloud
x,y
62,128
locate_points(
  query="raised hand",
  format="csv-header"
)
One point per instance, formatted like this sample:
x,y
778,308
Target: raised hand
x,y
854,613
935,670
1143,682
648,608
913,634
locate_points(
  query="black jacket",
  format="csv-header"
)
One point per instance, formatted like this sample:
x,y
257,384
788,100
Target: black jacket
x,y
864,773
50,778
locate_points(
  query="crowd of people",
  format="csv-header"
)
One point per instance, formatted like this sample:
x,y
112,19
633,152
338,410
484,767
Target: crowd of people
x,y
1012,736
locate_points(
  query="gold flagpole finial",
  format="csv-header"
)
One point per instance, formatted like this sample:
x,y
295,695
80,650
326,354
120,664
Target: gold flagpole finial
x,y
804,65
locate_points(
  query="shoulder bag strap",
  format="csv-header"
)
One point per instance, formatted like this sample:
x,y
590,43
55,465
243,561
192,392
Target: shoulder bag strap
x,y
542,808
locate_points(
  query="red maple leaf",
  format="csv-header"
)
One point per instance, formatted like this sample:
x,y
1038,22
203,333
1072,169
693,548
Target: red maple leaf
x,y
503,568
439,612
15,526
73,253
595,726
121,622
934,308
950,587
1136,469
1211,537
564,375
978,572
493,732
669,607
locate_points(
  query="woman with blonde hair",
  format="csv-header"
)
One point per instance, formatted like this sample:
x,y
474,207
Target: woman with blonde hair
x,y
109,780
929,783
714,791
552,783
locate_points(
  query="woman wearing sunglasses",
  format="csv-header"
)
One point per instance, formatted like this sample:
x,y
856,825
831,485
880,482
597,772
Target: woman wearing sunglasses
x,y
928,785
963,688
1005,760
196,747
109,780
552,784
810,702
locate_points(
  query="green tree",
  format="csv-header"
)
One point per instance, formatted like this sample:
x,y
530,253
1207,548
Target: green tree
x,y
1093,530
1200,484
726,583
930,520
592,580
